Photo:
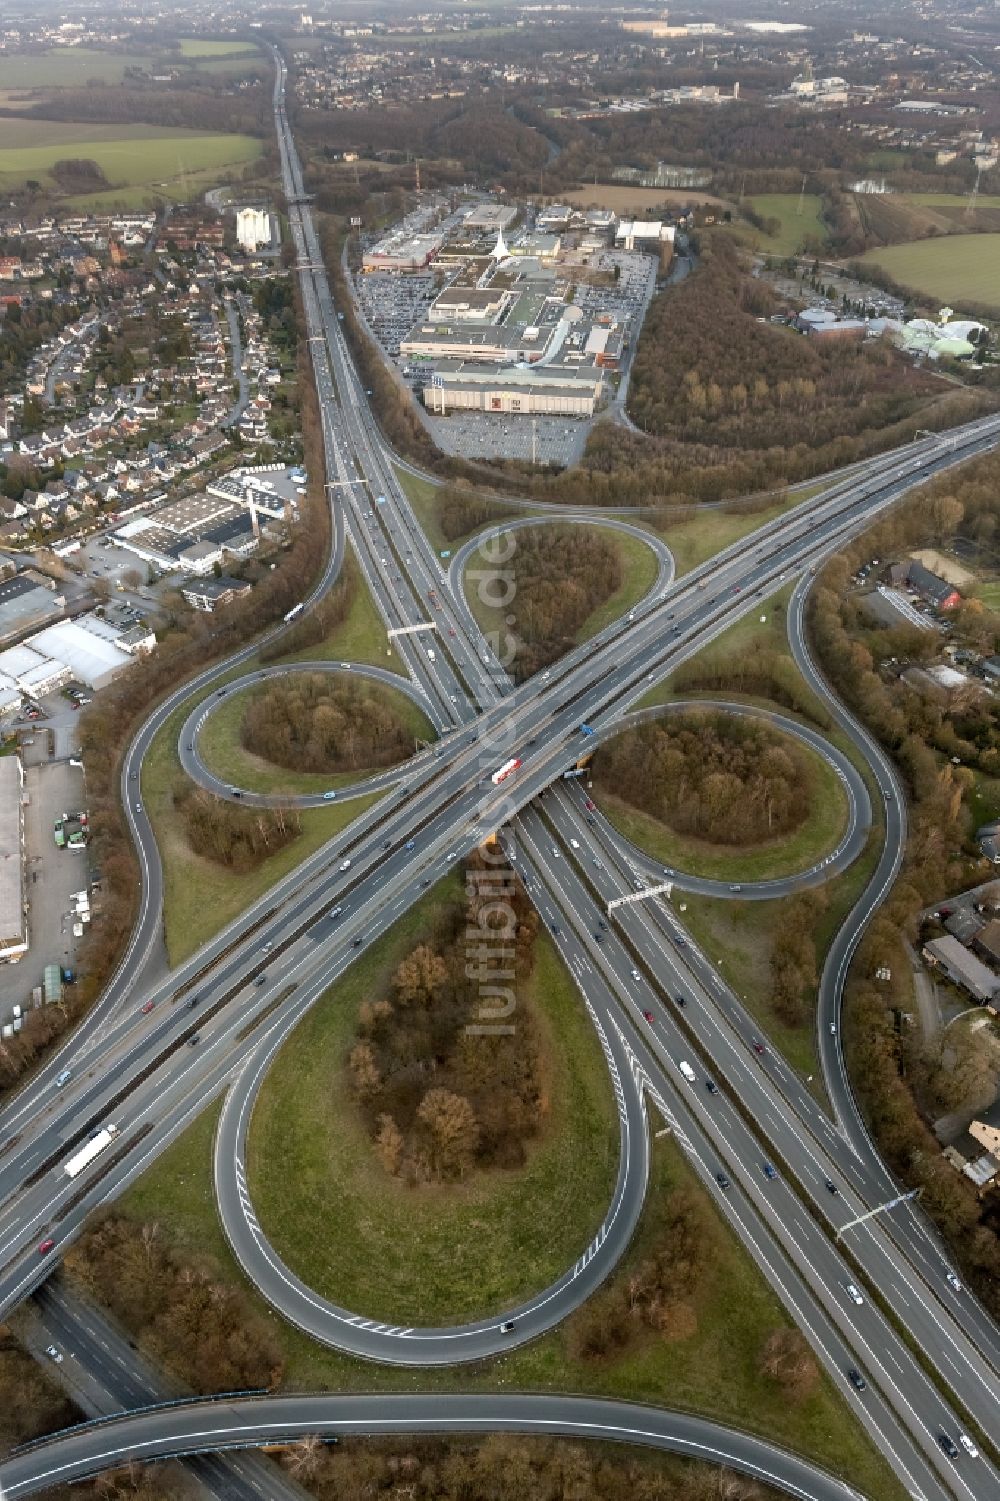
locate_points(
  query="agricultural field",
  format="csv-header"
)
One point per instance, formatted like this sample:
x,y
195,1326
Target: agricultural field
x,y
200,47
68,67
142,160
625,200
961,268
76,67
897,218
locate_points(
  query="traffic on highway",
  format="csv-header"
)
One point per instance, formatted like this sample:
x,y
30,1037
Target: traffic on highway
x,y
914,1355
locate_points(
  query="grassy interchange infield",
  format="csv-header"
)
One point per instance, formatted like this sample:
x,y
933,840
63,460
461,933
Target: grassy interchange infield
x,y
712,1372
798,850
639,567
738,935
221,750
199,895
480,1245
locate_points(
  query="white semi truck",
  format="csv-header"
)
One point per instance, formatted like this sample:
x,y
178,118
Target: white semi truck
x,y
90,1149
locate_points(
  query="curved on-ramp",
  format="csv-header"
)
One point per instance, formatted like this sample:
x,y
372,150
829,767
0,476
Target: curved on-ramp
x,y
849,846
254,1422
192,763
402,1344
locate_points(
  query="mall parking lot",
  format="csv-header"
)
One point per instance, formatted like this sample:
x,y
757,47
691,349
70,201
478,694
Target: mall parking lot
x,y
478,435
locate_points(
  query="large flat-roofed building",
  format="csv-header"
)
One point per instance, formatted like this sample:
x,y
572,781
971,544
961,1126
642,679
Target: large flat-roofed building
x,y
643,234
84,655
402,252
499,343
458,304
551,390
25,602
13,908
490,217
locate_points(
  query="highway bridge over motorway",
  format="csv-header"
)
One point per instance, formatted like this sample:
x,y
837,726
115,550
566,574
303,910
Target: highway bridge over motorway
x,y
929,1352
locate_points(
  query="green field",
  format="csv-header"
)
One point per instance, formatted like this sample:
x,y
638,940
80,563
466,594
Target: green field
x,y
76,67
149,157
952,268
989,593
795,226
199,47
68,67
219,744
437,1253
199,895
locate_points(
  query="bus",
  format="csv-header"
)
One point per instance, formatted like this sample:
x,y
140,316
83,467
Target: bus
x,y
291,614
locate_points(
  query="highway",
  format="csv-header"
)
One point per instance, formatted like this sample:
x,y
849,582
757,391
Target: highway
x,y
243,992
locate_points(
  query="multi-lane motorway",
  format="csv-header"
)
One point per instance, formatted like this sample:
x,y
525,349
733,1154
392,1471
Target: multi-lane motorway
x,y
214,1025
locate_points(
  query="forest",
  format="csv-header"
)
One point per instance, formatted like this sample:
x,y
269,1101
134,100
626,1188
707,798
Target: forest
x,y
206,1332
708,372
504,1468
232,835
562,575
718,777
439,1098
310,721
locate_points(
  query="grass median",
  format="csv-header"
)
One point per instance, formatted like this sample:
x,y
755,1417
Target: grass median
x,y
436,1254
222,752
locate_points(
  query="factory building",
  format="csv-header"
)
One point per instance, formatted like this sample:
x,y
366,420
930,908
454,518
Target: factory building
x,y
554,391
13,901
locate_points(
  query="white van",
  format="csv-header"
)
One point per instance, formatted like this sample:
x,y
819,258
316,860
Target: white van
x,y
345,864
687,1071
430,654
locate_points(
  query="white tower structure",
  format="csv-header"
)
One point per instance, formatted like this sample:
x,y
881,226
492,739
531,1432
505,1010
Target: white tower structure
x,y
500,251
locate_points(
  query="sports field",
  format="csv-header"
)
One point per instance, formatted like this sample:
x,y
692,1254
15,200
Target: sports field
x,y
953,268
147,157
